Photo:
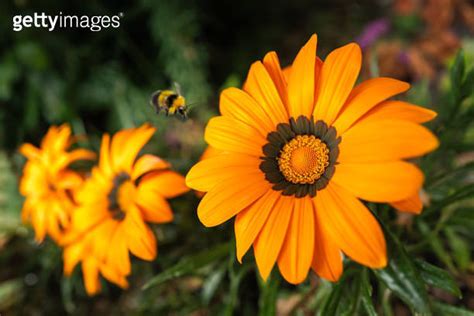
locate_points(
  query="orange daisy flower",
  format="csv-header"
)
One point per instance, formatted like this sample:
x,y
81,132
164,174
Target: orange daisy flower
x,y
207,153
122,194
299,153
48,184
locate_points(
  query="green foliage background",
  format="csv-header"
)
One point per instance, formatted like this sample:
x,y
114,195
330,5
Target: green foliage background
x,y
101,81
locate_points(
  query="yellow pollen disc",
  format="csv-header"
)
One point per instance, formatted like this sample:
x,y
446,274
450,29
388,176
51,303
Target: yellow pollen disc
x,y
304,159
126,195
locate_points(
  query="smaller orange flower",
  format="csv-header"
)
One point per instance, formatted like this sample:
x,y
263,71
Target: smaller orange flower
x,y
91,266
48,184
115,202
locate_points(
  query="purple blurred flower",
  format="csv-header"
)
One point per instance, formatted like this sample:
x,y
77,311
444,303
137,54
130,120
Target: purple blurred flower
x,y
372,32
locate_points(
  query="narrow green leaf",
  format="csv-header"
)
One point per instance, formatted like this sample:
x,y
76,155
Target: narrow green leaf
x,y
66,295
333,302
366,295
268,296
468,84
449,310
189,264
457,71
318,300
402,277
346,295
437,277
236,274
437,246
460,248
211,284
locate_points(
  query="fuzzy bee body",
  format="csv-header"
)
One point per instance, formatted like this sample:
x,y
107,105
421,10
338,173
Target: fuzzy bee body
x,y
169,101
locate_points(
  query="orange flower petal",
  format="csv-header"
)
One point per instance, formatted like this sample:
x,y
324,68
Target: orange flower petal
x,y
30,151
318,66
154,207
231,135
327,258
85,217
204,175
286,73
140,239
67,179
268,244
399,110
55,218
126,144
210,152
72,255
250,221
272,65
90,271
296,253
239,105
351,226
117,251
105,162
113,276
57,139
168,184
80,154
38,221
385,140
366,96
379,182
231,197
148,163
261,87
413,204
301,83
102,236
338,75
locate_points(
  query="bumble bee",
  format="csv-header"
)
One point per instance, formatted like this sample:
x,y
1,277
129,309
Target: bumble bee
x,y
170,101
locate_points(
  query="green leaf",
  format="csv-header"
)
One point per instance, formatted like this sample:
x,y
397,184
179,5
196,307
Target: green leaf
x,y
9,74
236,275
189,264
448,310
211,284
460,248
468,84
333,301
10,199
11,292
322,294
402,277
457,74
268,296
436,245
437,277
366,295
348,294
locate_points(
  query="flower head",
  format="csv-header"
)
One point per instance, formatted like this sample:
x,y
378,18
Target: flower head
x,y
48,184
122,194
299,149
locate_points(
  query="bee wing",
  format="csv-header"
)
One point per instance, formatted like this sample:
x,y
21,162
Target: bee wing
x,y
153,102
177,87
153,97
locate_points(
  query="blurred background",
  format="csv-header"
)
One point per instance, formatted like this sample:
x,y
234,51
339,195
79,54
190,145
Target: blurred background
x,y
101,82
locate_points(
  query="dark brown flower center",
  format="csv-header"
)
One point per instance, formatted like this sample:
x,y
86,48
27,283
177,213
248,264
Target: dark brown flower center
x,y
115,207
300,156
